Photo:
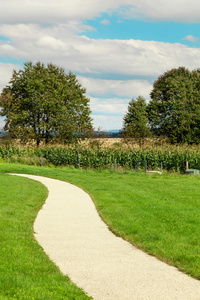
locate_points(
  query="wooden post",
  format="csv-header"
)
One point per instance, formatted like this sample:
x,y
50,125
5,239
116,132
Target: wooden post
x,y
186,165
115,165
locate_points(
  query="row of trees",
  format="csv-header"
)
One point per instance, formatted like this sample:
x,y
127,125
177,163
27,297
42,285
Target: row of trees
x,y
44,103
172,112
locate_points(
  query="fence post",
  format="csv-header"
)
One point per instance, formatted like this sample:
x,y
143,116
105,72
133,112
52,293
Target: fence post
x,y
161,167
41,159
8,156
115,165
144,161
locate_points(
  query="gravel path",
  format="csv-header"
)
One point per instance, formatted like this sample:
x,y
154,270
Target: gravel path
x,y
106,267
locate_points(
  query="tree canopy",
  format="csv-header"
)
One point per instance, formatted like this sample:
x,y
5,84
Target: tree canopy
x,y
43,102
135,120
174,108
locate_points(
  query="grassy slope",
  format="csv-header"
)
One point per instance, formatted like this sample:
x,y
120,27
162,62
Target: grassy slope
x,y
159,214
25,271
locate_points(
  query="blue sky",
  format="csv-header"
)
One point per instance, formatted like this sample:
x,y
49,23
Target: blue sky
x,y
112,27
117,48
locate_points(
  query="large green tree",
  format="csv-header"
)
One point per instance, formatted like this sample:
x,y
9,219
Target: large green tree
x,y
135,121
174,108
43,102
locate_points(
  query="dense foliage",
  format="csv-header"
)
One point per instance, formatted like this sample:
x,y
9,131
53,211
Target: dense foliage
x,y
172,157
43,102
135,121
174,109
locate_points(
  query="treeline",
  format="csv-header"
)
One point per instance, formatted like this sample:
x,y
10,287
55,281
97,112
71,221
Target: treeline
x,y
173,111
44,104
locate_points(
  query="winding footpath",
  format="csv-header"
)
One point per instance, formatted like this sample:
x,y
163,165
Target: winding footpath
x,y
106,267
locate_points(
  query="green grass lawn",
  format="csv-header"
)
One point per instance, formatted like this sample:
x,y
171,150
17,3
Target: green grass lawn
x,y
158,213
25,271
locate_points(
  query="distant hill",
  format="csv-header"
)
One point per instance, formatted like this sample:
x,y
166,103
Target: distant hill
x,y
113,133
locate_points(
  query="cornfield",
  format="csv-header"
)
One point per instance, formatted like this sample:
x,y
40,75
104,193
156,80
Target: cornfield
x,y
171,157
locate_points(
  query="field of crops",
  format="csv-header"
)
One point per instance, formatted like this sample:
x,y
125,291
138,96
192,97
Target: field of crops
x,y
171,157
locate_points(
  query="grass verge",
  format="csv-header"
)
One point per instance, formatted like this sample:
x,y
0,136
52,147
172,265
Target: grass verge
x,y
25,271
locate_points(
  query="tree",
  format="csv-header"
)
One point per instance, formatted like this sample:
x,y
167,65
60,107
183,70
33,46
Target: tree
x,y
43,102
174,108
135,121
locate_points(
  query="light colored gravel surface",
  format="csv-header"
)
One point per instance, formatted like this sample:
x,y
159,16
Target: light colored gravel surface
x,y
106,267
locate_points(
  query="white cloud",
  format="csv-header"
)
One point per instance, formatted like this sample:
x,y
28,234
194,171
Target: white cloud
x,y
107,122
59,11
132,57
191,38
105,22
116,88
61,46
109,106
161,10
51,43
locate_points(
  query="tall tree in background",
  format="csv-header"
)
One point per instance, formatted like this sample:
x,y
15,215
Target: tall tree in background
x,y
135,121
43,102
174,108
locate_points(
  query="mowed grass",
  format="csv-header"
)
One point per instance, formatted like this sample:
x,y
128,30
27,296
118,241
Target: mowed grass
x,y
25,271
159,214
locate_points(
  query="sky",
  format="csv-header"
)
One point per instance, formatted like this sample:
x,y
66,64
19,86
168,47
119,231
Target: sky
x,y
117,48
